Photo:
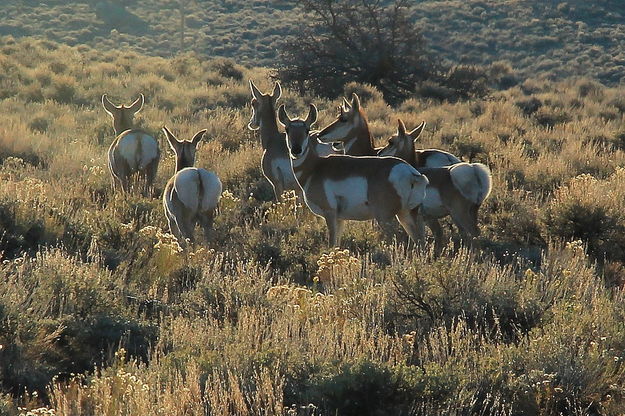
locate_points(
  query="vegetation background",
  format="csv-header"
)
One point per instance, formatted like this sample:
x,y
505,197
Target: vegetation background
x,y
101,313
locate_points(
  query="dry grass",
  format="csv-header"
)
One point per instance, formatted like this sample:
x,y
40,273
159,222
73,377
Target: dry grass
x,y
102,313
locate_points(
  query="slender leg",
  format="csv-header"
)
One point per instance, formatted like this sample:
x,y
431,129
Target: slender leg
x,y
437,231
407,220
152,169
278,189
335,226
206,221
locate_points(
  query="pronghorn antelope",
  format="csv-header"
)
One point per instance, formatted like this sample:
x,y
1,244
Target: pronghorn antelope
x,y
133,151
351,127
191,196
275,162
458,190
339,187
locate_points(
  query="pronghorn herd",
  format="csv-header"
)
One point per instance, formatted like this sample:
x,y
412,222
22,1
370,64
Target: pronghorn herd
x,y
359,182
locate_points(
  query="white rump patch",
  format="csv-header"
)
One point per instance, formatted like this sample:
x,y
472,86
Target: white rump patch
x,y
187,186
138,149
149,150
409,184
211,190
472,180
349,198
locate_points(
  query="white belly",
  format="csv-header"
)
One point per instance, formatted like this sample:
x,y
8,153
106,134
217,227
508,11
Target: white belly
x,y
349,198
432,204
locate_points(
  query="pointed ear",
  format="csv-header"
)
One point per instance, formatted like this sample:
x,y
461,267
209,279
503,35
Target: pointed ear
x,y
109,107
401,128
417,132
346,104
137,104
198,136
355,102
171,139
283,117
255,91
277,92
311,118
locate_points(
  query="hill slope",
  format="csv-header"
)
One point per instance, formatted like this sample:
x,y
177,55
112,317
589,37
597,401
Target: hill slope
x,y
551,37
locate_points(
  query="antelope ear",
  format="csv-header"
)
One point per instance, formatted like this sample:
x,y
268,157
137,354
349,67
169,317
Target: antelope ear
x,y
417,132
255,91
171,139
401,128
198,136
346,104
311,118
109,107
355,102
277,92
137,104
283,117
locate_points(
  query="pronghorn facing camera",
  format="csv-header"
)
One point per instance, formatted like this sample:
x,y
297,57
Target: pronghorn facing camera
x,y
133,151
457,190
275,162
339,187
352,129
403,143
191,196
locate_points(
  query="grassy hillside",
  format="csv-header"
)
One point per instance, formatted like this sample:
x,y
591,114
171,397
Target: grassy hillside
x,y
560,38
102,313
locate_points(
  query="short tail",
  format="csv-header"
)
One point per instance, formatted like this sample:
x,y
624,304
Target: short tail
x,y
473,180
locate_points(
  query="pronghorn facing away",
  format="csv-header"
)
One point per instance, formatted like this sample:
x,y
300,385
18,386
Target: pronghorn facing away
x,y
133,151
339,187
458,190
351,127
191,196
402,145
275,162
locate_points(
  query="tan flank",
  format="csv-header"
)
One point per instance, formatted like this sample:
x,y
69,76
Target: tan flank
x,y
191,196
458,190
340,187
133,152
275,162
352,129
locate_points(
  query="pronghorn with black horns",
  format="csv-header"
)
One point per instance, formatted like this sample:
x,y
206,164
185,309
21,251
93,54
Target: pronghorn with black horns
x,y
352,128
339,187
458,190
133,151
192,195
275,162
